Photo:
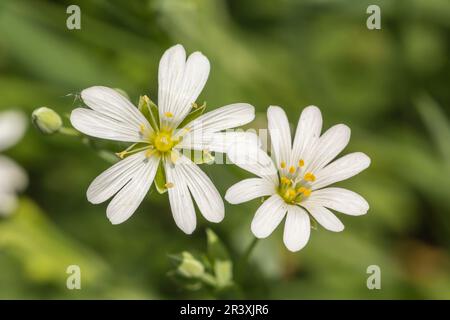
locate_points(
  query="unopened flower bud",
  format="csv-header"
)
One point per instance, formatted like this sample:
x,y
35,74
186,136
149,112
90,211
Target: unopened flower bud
x,y
190,267
46,120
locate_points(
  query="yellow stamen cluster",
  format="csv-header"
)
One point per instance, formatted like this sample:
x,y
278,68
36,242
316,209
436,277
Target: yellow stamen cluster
x,y
292,193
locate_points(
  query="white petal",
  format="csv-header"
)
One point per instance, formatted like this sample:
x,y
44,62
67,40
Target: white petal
x,y
230,116
330,144
297,228
280,135
324,217
12,177
306,135
113,179
249,189
339,199
98,125
180,200
202,189
180,83
341,169
268,216
128,199
112,104
222,141
251,158
12,128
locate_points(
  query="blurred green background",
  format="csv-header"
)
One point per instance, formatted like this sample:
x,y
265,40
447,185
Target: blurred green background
x,y
391,86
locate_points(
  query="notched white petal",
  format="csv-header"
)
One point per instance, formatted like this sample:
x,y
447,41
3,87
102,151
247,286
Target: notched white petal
x,y
338,199
249,189
268,216
203,191
180,200
297,229
128,199
341,169
324,217
280,135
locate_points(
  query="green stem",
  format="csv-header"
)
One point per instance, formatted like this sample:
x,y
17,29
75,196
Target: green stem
x,y
249,250
69,132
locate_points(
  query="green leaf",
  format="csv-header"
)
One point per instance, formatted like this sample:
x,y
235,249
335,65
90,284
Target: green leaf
x,y
194,114
150,111
160,179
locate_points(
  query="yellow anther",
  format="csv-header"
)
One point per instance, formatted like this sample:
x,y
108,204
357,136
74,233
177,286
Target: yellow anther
x,y
301,163
307,192
289,195
285,180
168,114
301,190
292,169
121,154
173,157
309,177
283,164
194,105
150,152
146,99
141,128
168,185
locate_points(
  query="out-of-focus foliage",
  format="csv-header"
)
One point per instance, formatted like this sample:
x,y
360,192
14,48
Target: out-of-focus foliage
x,y
390,85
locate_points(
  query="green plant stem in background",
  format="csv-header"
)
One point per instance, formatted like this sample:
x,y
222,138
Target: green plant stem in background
x,y
243,262
249,250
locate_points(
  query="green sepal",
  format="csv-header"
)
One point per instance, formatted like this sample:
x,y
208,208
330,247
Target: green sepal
x,y
194,114
201,156
150,111
160,179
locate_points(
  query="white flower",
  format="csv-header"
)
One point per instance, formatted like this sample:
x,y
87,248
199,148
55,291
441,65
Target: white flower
x,y
111,116
12,177
295,181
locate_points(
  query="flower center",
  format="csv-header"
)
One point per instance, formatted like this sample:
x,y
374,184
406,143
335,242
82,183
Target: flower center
x,y
295,187
163,141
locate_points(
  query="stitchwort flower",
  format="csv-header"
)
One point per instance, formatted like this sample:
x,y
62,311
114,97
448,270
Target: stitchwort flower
x,y
297,178
161,135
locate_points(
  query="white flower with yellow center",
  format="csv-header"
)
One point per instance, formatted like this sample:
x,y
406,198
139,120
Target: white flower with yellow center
x,y
295,180
161,139
12,177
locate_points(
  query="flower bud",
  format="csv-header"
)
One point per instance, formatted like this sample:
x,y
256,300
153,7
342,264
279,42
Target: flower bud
x,y
46,120
190,267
